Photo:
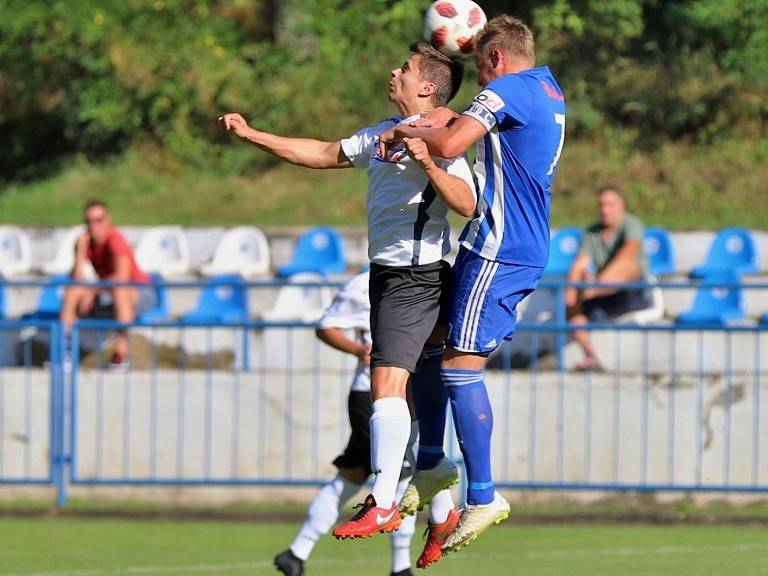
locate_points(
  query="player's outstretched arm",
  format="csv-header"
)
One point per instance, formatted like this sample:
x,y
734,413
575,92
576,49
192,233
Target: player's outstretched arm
x,y
447,142
335,338
454,191
300,151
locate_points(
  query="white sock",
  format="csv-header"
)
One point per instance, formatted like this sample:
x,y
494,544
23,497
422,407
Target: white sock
x,y
322,514
441,504
390,430
401,538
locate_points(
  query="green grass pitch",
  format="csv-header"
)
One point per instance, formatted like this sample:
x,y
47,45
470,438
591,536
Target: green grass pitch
x,y
85,547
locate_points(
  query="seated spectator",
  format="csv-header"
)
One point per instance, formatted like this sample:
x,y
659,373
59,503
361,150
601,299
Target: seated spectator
x,y
110,254
611,252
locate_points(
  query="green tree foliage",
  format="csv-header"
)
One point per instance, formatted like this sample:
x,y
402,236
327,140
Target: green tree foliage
x,y
669,69
95,77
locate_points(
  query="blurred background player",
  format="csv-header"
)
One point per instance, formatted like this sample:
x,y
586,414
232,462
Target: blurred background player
x,y
408,236
518,122
349,312
104,247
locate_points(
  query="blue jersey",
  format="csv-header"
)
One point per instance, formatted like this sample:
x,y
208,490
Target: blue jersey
x,y
516,161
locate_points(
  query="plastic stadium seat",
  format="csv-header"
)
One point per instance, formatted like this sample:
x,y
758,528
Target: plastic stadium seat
x,y
15,254
733,249
716,304
64,260
50,300
563,249
242,250
160,312
304,303
659,251
318,250
164,250
224,299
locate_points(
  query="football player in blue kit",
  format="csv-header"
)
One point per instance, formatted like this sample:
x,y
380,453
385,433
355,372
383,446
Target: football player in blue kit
x,y
518,123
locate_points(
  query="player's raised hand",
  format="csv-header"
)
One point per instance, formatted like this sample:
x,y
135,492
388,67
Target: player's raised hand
x,y
438,118
417,149
235,123
385,141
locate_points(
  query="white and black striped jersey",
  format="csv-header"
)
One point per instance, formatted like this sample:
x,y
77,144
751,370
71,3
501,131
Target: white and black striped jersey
x,y
407,219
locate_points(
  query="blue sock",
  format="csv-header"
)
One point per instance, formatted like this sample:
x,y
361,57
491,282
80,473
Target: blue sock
x,y
473,418
430,399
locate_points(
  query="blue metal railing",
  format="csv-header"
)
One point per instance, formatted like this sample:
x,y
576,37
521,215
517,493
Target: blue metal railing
x,y
653,422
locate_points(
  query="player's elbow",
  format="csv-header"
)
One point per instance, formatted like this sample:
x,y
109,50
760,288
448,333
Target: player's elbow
x,y
466,209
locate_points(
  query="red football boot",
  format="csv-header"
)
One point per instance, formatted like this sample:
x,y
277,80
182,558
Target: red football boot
x,y
437,534
369,520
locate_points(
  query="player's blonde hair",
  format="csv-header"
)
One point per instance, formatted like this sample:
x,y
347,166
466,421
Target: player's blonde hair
x,y
445,73
506,34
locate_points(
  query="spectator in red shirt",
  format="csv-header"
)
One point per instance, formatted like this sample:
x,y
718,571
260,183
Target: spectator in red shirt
x,y
105,248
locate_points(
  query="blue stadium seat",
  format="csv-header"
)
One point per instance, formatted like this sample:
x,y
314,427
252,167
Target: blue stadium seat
x,y
715,304
319,250
733,249
764,319
160,312
50,300
657,245
563,249
224,299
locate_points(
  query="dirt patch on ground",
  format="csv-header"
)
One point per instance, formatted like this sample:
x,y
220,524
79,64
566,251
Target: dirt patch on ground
x,y
145,355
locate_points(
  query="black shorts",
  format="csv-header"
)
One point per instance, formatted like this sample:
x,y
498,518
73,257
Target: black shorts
x,y
406,304
610,307
358,450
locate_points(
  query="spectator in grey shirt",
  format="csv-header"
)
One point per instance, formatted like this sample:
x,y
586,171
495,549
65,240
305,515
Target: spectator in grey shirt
x,y
611,252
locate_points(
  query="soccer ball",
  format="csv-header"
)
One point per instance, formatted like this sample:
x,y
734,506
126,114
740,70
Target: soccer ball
x,y
450,26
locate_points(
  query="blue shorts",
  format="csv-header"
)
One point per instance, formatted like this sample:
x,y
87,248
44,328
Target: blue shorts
x,y
486,295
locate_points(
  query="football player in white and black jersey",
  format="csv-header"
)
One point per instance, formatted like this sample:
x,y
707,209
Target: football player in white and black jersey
x,y
409,195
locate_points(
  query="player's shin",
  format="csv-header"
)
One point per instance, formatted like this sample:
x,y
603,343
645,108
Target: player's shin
x,y
473,418
430,399
390,429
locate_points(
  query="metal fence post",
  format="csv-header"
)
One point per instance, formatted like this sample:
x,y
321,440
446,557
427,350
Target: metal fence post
x,y
58,460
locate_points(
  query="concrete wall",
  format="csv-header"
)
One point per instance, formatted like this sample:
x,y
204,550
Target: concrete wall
x,y
276,424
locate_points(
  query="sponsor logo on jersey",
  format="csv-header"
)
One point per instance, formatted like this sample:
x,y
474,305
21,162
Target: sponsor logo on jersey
x,y
552,92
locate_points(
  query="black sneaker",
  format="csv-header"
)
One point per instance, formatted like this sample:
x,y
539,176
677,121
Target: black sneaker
x,y
406,572
287,563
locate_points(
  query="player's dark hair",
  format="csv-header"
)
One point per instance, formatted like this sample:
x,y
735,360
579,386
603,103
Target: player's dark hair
x,y
95,204
444,72
506,34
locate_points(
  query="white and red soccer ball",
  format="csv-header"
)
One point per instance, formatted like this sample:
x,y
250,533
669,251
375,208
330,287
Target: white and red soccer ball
x,y
450,26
